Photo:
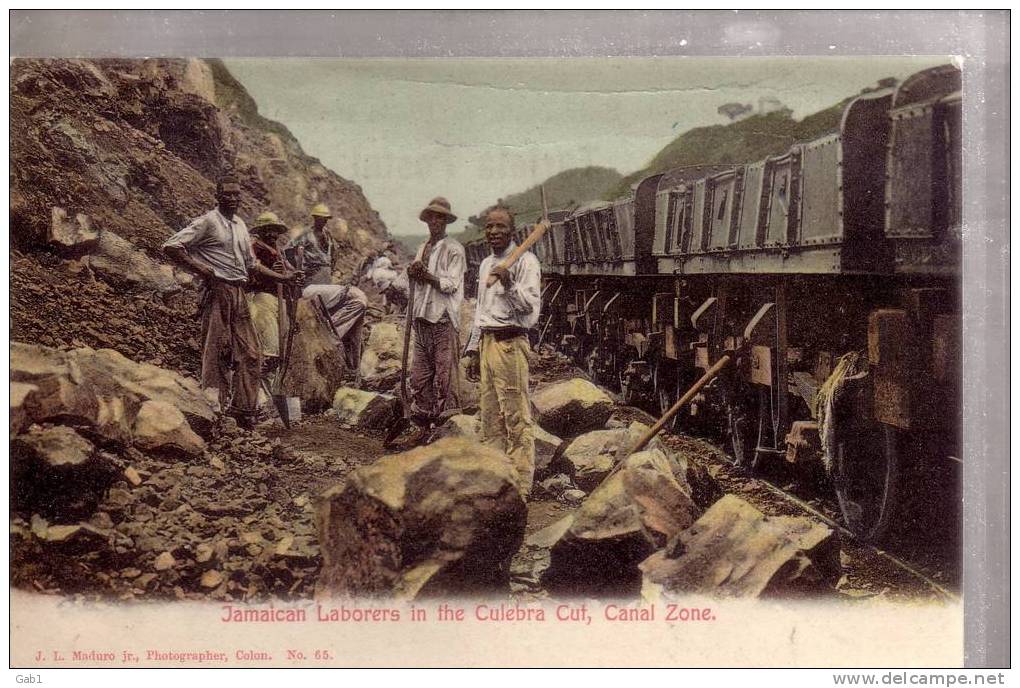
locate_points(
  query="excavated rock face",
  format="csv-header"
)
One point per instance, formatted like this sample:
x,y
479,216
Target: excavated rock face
x,y
111,157
573,407
443,519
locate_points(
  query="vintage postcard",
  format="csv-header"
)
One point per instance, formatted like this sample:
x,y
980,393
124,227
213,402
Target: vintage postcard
x,y
638,361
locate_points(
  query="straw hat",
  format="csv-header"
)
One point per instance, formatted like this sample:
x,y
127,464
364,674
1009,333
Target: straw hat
x,y
438,205
268,220
321,210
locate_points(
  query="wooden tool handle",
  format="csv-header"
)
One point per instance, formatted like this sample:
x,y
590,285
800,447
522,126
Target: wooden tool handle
x,y
674,409
535,235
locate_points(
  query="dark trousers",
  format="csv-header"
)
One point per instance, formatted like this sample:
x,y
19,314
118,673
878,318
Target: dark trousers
x,y
432,384
230,344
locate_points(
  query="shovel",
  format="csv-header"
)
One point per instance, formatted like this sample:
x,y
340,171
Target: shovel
x,y
289,408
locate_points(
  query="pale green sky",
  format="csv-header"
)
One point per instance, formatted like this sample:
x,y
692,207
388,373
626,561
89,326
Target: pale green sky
x,y
477,130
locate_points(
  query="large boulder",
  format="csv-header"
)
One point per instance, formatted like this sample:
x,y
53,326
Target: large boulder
x,y
383,351
102,390
316,368
19,414
119,261
357,408
631,514
443,519
463,425
589,457
57,472
734,550
161,427
571,408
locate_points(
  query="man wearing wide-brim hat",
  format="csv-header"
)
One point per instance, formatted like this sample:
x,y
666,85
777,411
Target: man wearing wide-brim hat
x,y
438,277
269,235
342,306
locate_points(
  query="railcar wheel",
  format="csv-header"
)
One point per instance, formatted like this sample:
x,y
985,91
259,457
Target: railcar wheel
x,y
591,365
630,391
866,470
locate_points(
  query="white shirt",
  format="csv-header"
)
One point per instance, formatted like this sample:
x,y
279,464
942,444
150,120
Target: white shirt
x,y
219,244
517,306
447,263
382,273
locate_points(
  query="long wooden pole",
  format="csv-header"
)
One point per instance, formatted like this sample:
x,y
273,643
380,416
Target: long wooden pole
x,y
709,375
408,321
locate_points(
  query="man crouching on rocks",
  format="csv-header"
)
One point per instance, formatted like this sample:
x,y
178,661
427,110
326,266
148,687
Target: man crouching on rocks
x,y
217,247
343,307
498,347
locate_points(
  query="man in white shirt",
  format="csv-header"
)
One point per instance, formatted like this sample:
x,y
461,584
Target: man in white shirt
x,y
218,248
438,275
498,346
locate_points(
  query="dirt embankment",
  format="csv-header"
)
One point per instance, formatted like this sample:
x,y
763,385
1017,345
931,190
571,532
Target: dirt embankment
x,y
137,146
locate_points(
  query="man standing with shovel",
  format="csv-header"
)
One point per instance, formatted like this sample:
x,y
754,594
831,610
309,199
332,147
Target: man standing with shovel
x,y
341,306
435,296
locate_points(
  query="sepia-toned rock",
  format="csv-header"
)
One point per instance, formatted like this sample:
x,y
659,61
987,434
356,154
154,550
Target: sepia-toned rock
x,y
443,519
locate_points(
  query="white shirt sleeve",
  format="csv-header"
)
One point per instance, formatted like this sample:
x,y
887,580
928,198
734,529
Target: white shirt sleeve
x,y
451,274
193,233
525,292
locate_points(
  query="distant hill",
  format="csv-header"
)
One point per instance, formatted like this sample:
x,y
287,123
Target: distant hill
x,y
409,242
569,188
746,140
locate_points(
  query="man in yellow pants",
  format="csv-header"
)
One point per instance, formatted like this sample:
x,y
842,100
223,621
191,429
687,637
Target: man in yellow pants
x,y
499,346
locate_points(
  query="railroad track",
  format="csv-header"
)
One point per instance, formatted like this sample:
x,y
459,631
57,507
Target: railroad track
x,y
746,483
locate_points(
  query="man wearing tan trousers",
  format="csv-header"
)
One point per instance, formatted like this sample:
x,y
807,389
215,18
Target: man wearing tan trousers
x,y
498,347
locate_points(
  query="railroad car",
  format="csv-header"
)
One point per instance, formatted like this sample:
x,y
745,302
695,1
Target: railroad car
x,y
830,273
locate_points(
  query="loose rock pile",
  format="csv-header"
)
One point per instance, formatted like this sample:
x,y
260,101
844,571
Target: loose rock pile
x,y
125,483
228,525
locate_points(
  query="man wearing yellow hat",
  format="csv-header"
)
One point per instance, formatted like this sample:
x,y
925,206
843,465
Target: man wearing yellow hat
x,y
316,252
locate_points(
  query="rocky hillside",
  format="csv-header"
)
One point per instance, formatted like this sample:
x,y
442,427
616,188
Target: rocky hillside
x,y
130,150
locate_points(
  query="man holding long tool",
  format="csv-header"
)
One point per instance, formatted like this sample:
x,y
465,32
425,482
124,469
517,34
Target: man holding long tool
x,y
268,312
343,306
435,295
217,247
498,346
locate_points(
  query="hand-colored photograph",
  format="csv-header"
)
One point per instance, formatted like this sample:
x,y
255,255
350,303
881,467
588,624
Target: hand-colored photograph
x,y
546,343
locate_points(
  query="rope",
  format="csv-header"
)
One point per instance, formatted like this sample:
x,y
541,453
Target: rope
x,y
851,366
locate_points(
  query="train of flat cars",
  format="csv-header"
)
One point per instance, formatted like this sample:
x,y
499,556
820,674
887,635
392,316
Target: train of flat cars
x,y
830,273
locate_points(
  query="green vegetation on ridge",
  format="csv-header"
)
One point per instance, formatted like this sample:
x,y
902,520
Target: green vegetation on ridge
x,y
748,140
567,189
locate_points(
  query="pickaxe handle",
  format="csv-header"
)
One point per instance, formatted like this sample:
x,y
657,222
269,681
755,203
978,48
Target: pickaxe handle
x,y
709,375
528,242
